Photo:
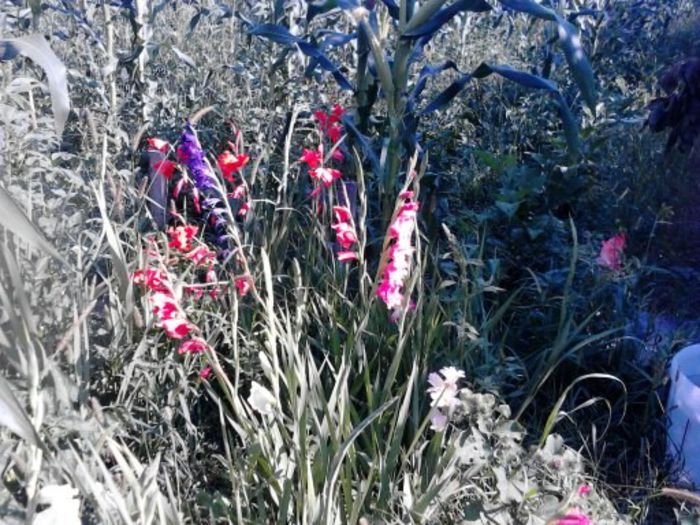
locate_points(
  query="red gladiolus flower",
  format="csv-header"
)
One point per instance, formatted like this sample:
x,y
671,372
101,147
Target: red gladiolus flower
x,y
181,237
337,112
334,132
195,345
323,118
243,210
243,285
230,164
156,144
330,122
312,158
611,252
165,168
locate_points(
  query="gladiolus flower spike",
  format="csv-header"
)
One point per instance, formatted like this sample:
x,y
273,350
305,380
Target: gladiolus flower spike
x,y
205,192
400,254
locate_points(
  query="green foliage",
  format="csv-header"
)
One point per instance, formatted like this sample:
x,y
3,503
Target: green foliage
x,y
506,285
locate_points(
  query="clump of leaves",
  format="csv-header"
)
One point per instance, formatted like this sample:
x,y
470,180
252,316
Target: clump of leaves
x,y
679,109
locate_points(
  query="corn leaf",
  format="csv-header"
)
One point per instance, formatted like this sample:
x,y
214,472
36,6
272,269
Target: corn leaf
x,y
37,49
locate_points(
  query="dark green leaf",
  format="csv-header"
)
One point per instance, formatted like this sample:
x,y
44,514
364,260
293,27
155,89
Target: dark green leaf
x,y
439,19
274,32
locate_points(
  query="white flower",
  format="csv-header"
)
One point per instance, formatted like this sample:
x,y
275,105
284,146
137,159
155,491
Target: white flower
x,y
443,387
64,506
261,399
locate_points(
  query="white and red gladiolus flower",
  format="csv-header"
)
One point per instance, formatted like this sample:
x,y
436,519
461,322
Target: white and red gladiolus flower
x,y
400,254
171,318
181,237
444,395
154,279
156,144
611,252
345,234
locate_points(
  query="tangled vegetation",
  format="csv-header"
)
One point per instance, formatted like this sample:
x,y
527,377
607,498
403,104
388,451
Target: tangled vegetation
x,y
345,262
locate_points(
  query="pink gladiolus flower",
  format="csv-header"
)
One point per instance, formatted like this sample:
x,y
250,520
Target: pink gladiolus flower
x,y
336,154
195,345
400,255
181,184
345,233
176,328
181,237
611,252
230,164
165,167
584,490
342,213
243,285
238,192
156,144
347,256
205,373
201,256
574,518
311,158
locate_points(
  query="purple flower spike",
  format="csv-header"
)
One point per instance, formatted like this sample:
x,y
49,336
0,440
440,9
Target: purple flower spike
x,y
190,153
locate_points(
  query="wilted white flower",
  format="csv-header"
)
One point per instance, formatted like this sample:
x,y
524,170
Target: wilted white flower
x,y
261,399
444,393
438,420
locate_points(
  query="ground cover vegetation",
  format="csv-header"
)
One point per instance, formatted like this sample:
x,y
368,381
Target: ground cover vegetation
x,y
345,262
